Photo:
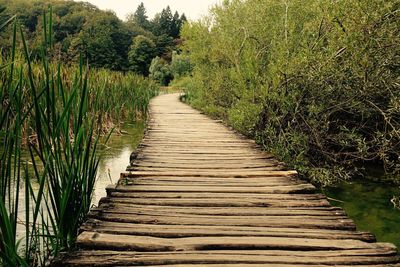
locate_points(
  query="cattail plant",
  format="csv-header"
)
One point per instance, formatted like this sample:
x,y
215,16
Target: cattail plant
x,y
57,113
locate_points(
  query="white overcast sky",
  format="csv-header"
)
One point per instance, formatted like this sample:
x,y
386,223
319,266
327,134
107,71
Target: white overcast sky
x,y
192,9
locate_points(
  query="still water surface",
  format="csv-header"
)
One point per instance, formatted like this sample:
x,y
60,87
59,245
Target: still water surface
x,y
368,204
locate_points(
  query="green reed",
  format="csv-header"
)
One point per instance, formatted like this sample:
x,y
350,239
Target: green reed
x,y
56,113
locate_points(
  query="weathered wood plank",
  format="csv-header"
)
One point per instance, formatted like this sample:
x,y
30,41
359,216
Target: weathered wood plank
x,y
145,243
309,222
216,195
120,197
367,256
125,208
299,188
177,231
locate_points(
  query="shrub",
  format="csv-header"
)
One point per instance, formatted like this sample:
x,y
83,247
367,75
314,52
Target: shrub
x,y
315,82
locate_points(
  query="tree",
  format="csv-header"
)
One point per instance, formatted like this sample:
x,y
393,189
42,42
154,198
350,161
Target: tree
x,y
160,71
162,22
140,54
175,25
82,28
104,40
164,46
140,18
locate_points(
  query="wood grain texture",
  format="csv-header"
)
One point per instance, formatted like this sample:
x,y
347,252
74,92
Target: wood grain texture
x,y
198,194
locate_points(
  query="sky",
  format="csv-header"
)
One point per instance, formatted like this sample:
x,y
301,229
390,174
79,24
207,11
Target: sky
x,y
193,9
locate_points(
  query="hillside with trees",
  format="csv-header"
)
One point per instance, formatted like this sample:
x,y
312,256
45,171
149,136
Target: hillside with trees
x,y
80,28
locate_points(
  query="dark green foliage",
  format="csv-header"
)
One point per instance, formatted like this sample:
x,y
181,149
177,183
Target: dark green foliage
x,y
315,82
105,41
164,46
166,23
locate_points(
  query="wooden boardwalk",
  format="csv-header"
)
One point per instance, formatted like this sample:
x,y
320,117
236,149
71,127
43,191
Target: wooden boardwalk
x,y
197,194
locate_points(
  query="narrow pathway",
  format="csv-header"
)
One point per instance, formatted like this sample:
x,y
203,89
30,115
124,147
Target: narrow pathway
x,y
198,194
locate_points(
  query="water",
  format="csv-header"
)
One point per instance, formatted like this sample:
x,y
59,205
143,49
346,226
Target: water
x,y
114,160
368,204
115,157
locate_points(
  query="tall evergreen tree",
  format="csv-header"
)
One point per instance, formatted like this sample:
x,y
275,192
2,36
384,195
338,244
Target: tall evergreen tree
x,y
183,19
175,25
165,22
140,17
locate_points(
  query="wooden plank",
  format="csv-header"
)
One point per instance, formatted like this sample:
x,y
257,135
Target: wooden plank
x,y
190,182
206,170
203,161
120,197
270,180
308,222
279,189
121,208
366,256
205,165
241,174
233,196
144,243
178,231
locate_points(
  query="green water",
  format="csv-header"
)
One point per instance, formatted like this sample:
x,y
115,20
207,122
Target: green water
x,y
368,204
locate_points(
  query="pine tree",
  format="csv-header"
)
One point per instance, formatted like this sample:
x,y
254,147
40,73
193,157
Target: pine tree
x,y
175,25
165,22
140,17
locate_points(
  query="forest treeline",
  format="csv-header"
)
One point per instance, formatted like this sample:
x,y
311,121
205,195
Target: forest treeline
x,y
104,40
315,82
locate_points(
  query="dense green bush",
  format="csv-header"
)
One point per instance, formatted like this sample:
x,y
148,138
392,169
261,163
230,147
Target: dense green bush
x,y
316,82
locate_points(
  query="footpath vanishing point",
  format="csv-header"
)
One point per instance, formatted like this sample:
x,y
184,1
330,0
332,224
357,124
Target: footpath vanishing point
x,y
198,194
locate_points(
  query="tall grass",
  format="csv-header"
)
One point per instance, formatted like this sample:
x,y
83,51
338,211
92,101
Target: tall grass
x,y
57,113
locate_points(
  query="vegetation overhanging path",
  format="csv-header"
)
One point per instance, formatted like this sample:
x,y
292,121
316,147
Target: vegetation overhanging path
x,y
198,194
